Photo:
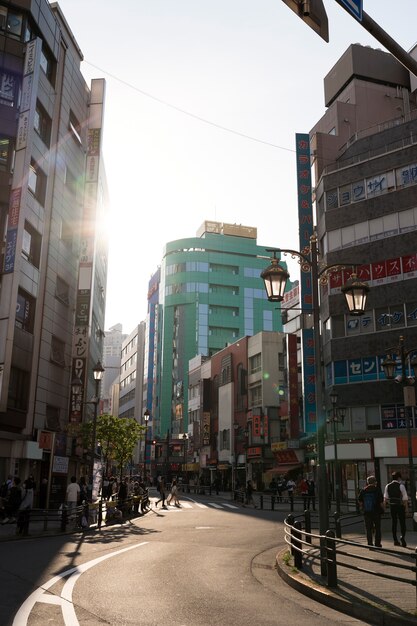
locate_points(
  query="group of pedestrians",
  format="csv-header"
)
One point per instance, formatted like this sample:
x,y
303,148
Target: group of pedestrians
x,y
162,490
373,503
16,502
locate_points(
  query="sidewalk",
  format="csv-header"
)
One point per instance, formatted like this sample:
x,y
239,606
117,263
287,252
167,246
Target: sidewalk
x,y
362,595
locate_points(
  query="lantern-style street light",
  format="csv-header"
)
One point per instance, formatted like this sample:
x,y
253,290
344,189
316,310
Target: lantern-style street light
x,y
146,416
408,364
275,278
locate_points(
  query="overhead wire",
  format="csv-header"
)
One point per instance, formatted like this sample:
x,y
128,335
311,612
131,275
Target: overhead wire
x,y
188,113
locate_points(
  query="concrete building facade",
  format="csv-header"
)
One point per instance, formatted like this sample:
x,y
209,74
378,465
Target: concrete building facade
x,y
53,257
365,159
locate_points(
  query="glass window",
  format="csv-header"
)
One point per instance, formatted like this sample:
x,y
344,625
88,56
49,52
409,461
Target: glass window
x,y
18,389
62,290
373,418
255,363
25,311
42,124
4,152
31,245
57,351
14,24
75,127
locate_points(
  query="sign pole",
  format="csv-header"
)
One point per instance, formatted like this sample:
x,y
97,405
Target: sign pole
x,y
51,464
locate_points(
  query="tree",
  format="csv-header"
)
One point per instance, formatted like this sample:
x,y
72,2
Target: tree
x,y
117,437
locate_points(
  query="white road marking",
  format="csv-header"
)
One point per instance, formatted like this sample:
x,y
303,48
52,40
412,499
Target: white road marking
x,y
231,506
65,600
202,506
216,506
186,505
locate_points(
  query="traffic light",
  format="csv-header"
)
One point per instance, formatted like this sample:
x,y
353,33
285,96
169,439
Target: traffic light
x,y
313,13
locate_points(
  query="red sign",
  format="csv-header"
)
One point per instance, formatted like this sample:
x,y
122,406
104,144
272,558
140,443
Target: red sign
x,y
286,457
45,440
255,451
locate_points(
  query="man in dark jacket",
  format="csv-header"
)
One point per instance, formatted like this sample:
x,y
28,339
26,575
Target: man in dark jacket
x,y
371,501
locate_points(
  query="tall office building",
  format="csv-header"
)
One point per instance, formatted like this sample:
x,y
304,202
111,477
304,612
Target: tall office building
x,y
210,294
365,155
53,255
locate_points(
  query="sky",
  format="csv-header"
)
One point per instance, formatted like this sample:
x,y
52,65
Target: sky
x,y
203,100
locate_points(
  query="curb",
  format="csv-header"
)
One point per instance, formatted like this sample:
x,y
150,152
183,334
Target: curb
x,y
359,609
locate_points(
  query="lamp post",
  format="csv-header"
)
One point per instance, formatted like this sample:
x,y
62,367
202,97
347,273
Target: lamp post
x,y
234,474
338,416
275,278
185,440
408,361
146,417
77,391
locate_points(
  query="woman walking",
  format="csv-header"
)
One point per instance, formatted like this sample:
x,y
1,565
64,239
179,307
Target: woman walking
x,y
174,494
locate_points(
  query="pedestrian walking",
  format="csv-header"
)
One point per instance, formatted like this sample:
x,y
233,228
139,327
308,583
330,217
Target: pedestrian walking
x,y
174,494
311,494
304,492
162,492
249,494
122,495
12,502
281,487
71,496
396,495
371,502
290,491
22,526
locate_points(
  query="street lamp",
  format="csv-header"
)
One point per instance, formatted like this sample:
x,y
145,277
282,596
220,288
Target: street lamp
x,y
77,390
338,416
146,417
408,361
234,476
185,440
275,279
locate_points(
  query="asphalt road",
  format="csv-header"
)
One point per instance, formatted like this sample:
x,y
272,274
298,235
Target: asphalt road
x,y
207,563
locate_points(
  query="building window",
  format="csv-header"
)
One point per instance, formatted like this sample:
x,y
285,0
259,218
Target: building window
x,y
47,64
57,351
25,311
62,290
6,153
66,233
255,363
42,124
31,245
255,396
225,439
37,182
75,127
18,389
11,22
52,418
70,181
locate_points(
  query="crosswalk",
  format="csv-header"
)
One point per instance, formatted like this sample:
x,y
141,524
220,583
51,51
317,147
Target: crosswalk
x,y
184,504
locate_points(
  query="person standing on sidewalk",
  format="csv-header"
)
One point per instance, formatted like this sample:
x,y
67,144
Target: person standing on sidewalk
x,y
372,502
396,495
72,494
249,494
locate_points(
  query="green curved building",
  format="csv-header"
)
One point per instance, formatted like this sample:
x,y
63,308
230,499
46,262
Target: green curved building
x,y
210,294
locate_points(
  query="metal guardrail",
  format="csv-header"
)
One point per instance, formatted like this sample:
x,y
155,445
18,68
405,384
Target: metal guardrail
x,y
333,552
100,512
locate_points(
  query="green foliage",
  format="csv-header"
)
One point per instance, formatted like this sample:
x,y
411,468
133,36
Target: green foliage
x,y
117,437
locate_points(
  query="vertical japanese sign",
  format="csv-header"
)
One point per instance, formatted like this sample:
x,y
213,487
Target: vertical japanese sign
x,y
293,386
305,221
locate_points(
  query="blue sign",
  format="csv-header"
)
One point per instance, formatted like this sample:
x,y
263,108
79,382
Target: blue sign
x,y
353,6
